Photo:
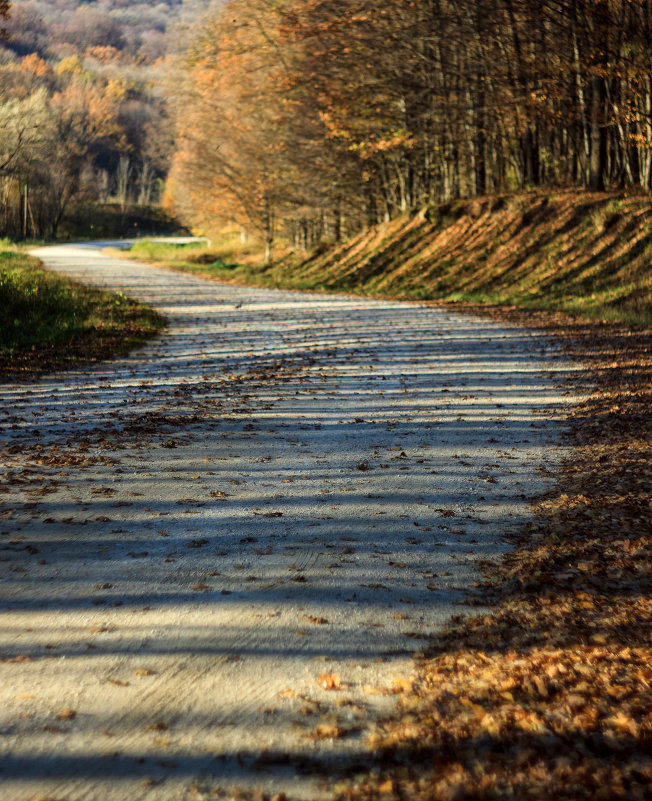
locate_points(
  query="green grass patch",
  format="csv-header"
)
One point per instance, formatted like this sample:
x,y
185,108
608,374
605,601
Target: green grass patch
x,y
226,260
49,321
165,251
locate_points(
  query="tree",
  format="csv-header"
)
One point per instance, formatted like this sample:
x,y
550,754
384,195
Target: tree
x,y
4,14
327,115
230,133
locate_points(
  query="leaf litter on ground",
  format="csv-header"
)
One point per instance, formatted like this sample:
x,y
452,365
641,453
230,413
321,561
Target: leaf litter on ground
x,y
549,695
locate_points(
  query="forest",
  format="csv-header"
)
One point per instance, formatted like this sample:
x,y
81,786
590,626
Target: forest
x,y
309,120
84,130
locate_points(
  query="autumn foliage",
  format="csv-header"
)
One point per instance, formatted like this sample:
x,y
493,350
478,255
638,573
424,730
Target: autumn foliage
x,y
317,117
548,697
81,122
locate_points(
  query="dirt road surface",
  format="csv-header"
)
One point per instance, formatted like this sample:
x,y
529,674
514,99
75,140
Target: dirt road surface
x,y
281,486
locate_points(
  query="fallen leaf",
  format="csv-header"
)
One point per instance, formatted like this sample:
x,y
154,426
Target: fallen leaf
x,y
623,722
326,731
158,726
329,681
289,694
318,621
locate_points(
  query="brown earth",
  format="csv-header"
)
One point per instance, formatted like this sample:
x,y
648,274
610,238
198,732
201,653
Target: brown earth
x,y
572,251
583,253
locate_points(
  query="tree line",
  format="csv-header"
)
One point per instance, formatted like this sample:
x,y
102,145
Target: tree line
x,y
84,133
71,136
314,118
59,28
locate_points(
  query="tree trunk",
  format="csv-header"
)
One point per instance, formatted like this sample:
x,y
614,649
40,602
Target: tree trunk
x,y
531,164
598,136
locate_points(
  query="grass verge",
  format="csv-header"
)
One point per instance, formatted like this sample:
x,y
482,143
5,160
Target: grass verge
x,y
48,321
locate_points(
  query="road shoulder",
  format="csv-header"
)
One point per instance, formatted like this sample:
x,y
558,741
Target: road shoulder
x,y
549,694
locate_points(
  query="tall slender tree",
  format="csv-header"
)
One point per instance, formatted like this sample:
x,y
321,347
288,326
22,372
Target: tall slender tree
x,y
327,115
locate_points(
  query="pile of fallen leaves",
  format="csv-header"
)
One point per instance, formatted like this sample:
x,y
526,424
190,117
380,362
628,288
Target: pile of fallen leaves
x,y
548,696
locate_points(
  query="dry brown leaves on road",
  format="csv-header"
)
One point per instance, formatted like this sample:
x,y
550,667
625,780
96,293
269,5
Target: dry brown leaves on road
x,y
548,697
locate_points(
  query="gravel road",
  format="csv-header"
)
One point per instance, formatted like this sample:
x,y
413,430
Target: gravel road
x,y
279,487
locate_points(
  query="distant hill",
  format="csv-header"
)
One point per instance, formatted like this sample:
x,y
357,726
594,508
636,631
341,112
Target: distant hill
x,y
56,29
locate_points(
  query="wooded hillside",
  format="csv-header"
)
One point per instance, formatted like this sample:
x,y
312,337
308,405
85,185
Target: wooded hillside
x,y
84,128
310,120
59,28
315,118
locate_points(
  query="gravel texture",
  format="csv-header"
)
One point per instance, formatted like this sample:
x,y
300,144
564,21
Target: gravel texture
x,y
280,486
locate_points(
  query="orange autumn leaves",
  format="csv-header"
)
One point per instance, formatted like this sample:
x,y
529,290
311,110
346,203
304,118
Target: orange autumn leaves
x,y
549,697
317,118
273,123
229,124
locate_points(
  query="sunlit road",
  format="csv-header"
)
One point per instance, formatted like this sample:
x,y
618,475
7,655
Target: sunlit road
x,y
281,486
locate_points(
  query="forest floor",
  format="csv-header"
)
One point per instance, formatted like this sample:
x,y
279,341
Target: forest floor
x,y
219,553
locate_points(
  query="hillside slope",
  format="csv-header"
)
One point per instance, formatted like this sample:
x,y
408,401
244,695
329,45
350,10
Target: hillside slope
x,y
586,254
576,252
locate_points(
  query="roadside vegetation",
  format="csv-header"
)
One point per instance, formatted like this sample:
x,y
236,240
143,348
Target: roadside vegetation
x,y
48,321
584,254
